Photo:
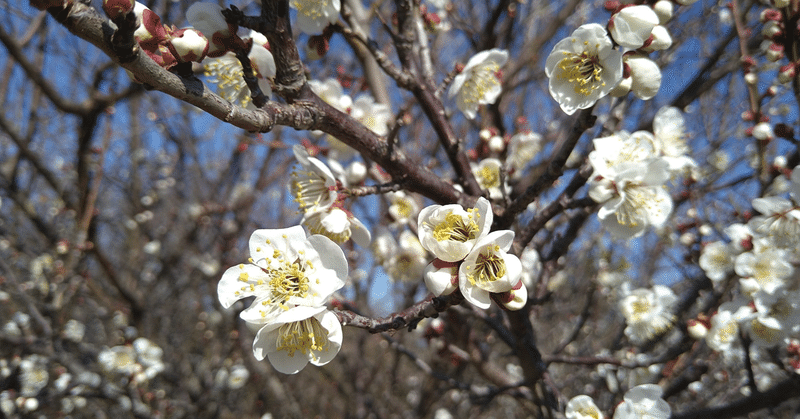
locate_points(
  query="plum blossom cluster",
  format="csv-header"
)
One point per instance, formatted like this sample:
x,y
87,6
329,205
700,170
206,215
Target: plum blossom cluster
x,y
292,277
363,108
316,192
586,66
222,67
470,258
631,171
762,254
138,362
642,401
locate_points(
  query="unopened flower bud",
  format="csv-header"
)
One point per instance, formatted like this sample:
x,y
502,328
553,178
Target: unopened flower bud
x,y
188,45
632,25
771,30
750,78
663,9
645,75
622,88
770,14
697,329
763,131
786,73
117,8
317,47
496,144
514,299
150,31
775,52
659,40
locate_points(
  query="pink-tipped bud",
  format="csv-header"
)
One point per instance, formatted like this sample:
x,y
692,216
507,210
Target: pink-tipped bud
x,y
770,15
188,45
787,73
317,47
117,8
775,52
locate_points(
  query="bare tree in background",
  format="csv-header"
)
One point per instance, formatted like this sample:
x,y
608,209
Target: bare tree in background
x,y
131,180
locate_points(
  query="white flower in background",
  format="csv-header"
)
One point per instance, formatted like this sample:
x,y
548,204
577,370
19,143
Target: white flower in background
x,y
313,186
583,407
764,268
741,237
148,355
631,26
531,266
522,148
238,377
648,312
489,177
489,269
286,269
33,376
408,260
777,317
716,259
479,82
583,68
337,224
724,331
403,208
645,75
227,73
375,116
669,138
780,221
314,15
207,18
794,188
450,232
298,336
331,92
634,198
643,402
621,150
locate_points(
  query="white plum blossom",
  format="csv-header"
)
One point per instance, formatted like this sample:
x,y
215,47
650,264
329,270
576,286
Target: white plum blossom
x,y
479,82
227,73
298,336
777,317
286,269
648,312
375,116
531,266
488,174
724,331
489,269
522,148
314,15
764,268
669,138
450,232
634,199
780,221
716,259
643,402
313,186
631,26
583,68
331,92
406,259
402,207
583,407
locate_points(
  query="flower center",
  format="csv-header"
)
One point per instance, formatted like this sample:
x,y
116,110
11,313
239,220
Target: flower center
x,y
287,281
311,8
457,228
307,336
403,208
728,332
482,80
640,307
489,177
637,202
489,266
583,71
